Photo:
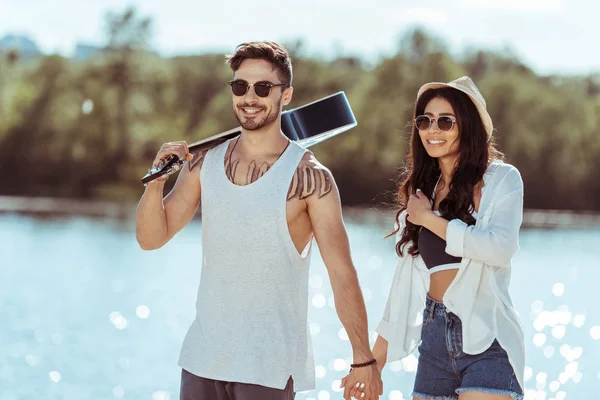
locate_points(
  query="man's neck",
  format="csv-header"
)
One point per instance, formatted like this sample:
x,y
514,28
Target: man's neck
x,y
262,142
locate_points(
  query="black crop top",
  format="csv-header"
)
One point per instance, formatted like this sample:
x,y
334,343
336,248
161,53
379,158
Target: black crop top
x,y
433,251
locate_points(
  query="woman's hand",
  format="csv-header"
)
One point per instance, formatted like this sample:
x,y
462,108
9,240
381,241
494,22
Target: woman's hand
x,y
357,392
418,208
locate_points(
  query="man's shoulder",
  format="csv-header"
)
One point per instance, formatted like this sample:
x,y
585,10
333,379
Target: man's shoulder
x,y
310,161
197,160
201,155
311,179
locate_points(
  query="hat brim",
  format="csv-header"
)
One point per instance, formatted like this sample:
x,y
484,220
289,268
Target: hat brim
x,y
485,116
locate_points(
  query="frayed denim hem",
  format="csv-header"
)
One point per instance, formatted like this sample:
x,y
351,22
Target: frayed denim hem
x,y
513,395
430,397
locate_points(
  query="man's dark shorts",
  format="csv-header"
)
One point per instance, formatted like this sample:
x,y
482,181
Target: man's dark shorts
x,y
196,388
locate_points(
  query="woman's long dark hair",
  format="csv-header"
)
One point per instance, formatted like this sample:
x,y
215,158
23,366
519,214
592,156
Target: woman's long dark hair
x,y
422,171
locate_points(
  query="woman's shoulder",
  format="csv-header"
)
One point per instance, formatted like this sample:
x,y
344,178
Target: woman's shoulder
x,y
502,173
499,167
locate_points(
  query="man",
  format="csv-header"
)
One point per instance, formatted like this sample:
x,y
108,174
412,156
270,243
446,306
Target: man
x,y
263,199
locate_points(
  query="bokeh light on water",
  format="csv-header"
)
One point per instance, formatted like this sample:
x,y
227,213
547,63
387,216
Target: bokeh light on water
x,y
86,314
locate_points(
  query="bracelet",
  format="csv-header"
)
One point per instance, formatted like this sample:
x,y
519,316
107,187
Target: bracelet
x,y
365,364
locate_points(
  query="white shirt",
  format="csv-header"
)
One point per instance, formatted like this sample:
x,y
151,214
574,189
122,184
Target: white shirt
x,y
478,295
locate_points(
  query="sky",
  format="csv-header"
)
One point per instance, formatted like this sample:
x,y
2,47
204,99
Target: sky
x,y
550,36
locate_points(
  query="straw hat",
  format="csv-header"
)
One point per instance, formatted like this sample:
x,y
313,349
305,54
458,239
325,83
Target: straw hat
x,y
465,85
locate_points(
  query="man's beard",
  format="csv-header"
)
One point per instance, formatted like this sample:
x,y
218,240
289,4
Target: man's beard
x,y
254,124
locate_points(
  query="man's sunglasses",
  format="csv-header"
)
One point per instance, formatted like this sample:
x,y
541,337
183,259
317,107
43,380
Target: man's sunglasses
x,y
262,89
444,123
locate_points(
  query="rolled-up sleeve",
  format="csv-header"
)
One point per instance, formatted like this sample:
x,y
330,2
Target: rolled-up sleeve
x,y
384,328
499,240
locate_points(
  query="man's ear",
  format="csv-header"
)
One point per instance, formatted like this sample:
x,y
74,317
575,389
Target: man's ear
x,y
287,96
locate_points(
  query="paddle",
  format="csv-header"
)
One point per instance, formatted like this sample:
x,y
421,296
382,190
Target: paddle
x,y
307,125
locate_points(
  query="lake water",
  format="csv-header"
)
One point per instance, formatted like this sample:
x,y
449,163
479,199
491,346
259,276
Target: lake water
x,y
86,314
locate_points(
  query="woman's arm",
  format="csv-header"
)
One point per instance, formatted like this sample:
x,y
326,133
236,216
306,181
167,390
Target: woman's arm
x,y
499,241
380,349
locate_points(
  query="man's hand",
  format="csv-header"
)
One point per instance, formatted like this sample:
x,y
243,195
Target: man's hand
x,y
179,149
418,208
363,383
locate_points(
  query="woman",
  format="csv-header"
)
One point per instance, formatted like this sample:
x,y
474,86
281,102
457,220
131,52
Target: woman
x,y
457,230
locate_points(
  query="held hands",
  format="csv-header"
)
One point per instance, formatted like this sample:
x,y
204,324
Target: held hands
x,y
418,208
179,149
363,383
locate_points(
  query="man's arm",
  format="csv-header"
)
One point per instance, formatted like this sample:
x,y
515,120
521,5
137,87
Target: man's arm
x,y
325,214
158,219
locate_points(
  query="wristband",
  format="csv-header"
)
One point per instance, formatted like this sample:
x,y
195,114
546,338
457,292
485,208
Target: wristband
x,y
365,364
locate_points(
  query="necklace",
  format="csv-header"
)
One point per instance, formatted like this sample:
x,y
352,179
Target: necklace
x,y
232,177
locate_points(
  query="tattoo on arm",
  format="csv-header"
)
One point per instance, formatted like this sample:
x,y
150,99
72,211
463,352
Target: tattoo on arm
x,y
309,180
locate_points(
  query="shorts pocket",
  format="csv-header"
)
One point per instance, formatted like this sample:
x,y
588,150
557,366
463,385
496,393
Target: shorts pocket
x,y
427,316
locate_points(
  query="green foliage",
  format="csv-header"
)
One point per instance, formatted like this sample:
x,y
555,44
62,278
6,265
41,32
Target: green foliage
x,y
90,129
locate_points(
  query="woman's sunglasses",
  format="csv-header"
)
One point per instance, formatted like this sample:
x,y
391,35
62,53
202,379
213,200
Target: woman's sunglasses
x,y
444,123
262,89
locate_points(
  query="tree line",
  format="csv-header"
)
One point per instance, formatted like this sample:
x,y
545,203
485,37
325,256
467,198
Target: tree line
x,y
90,129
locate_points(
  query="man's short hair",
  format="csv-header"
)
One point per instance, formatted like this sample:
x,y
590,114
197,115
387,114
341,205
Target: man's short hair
x,y
264,50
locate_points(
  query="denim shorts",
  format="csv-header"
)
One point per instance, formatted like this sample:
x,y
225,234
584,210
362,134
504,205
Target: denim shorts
x,y
444,370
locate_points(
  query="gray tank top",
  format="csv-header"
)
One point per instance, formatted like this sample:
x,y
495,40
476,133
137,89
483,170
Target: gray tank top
x,y
251,312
